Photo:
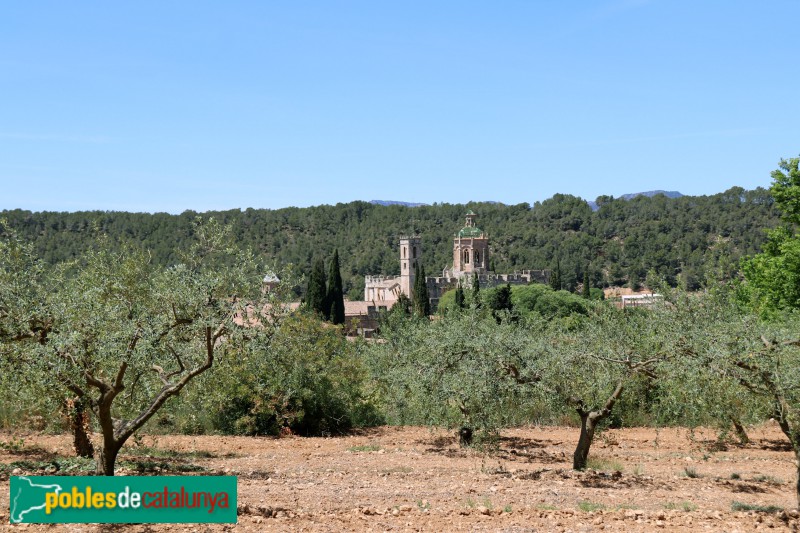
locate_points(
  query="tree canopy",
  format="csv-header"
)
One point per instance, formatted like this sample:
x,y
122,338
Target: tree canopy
x,y
685,240
113,322
773,276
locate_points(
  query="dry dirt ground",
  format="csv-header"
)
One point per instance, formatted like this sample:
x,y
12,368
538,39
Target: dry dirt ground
x,y
416,479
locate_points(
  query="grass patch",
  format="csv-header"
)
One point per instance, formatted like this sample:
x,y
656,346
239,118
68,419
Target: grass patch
x,y
546,507
18,447
604,465
625,507
587,506
691,472
740,506
736,476
364,448
231,455
772,480
31,466
507,509
82,465
153,467
685,506
54,467
13,445
162,453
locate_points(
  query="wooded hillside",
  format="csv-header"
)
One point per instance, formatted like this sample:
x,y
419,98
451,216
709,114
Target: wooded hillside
x,y
683,239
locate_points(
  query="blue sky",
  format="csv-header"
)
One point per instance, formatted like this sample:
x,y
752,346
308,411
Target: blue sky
x,y
168,106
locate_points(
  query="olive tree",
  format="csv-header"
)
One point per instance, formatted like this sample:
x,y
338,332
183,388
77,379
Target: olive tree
x,y
124,336
462,371
772,370
592,362
694,388
730,365
23,321
762,358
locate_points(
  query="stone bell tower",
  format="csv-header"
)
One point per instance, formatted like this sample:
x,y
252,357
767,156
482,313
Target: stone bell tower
x,y
410,257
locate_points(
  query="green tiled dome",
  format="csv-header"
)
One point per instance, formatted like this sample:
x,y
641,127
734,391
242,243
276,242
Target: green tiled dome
x,y
470,232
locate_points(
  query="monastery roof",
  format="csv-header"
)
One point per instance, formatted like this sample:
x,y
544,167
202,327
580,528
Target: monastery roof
x,y
362,308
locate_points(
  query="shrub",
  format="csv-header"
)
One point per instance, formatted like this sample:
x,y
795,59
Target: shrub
x,y
311,379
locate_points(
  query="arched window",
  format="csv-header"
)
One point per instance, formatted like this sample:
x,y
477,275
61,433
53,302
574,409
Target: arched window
x,y
404,252
477,257
466,257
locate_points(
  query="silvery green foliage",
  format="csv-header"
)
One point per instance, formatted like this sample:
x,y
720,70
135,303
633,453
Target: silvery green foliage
x,y
761,358
23,321
696,387
125,335
740,364
461,370
22,290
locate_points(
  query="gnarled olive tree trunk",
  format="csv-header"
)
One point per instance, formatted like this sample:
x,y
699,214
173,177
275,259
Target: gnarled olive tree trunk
x,y
793,434
589,421
117,431
767,383
797,485
741,433
78,417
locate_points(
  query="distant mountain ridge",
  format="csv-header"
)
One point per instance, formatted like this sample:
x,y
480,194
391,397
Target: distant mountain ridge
x,y
592,204
395,202
649,194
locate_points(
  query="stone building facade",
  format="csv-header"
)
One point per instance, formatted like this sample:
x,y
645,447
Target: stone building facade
x,y
470,258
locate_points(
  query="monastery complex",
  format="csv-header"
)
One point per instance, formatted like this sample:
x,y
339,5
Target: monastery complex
x,y
470,257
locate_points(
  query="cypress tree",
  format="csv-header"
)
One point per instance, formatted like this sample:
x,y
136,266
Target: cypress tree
x,y
316,294
586,289
425,300
504,298
476,289
555,277
459,296
335,295
422,305
415,291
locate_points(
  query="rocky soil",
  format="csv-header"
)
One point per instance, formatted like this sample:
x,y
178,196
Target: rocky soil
x,y
415,479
